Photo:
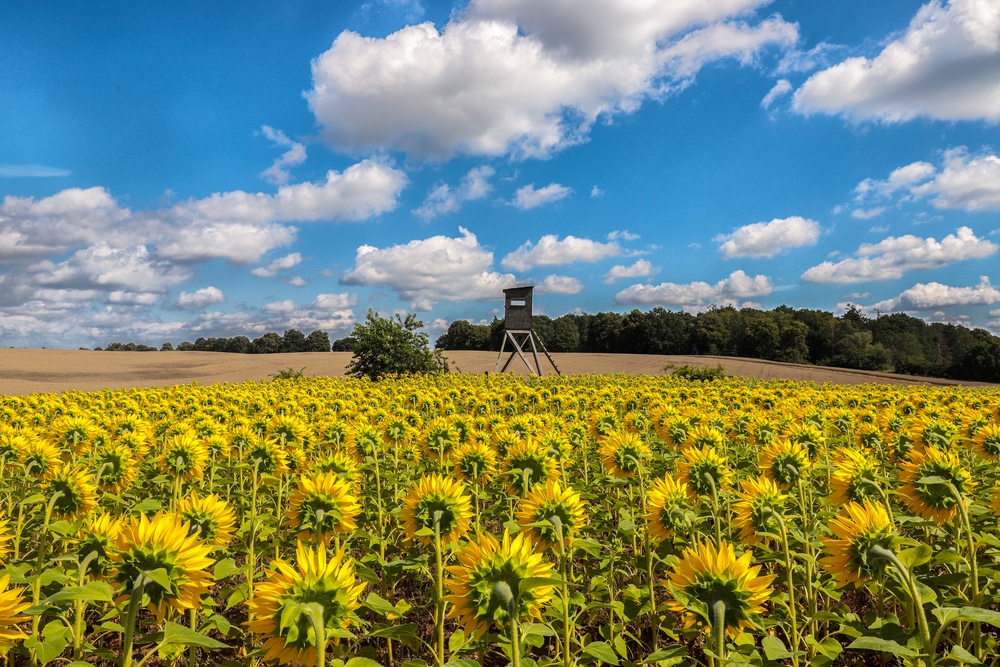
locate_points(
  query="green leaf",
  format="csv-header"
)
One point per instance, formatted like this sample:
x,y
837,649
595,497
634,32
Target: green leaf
x,y
406,633
674,651
380,605
226,568
47,650
932,480
147,505
178,635
461,662
961,655
362,662
774,648
979,615
161,578
456,641
602,651
95,591
882,645
915,556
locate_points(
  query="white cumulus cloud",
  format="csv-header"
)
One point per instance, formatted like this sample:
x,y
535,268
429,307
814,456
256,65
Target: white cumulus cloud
x,y
281,264
640,269
894,256
425,271
550,251
555,284
946,65
200,299
522,78
528,197
445,199
928,296
278,172
727,291
767,239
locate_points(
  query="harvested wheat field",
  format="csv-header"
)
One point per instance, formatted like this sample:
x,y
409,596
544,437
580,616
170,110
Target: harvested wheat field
x,y
24,371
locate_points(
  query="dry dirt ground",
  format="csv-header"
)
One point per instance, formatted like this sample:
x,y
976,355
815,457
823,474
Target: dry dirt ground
x,y
24,371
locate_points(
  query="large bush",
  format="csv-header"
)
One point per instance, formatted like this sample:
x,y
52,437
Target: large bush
x,y
392,345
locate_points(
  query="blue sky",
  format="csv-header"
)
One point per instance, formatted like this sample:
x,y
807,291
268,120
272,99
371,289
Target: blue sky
x,y
170,171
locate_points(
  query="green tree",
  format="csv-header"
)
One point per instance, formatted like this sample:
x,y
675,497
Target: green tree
x,y
385,345
318,341
293,341
269,343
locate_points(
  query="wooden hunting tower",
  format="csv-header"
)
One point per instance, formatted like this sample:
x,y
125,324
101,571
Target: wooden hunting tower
x,y
518,330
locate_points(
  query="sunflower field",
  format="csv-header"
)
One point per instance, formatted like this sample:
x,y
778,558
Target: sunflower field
x,y
490,520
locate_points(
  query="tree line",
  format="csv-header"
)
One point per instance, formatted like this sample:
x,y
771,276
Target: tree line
x,y
270,343
897,342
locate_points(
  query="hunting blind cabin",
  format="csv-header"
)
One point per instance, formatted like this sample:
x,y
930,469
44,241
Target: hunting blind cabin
x,y
518,330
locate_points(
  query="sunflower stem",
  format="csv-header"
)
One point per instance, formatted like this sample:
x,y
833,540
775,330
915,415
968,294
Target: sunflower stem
x,y
438,588
792,612
133,608
973,566
715,508
719,630
878,551
43,538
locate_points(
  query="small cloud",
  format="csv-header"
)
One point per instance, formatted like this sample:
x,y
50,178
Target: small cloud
x,y
623,235
278,173
280,264
783,87
640,269
200,299
298,281
867,214
444,199
528,197
879,229
596,191
560,285
32,171
767,239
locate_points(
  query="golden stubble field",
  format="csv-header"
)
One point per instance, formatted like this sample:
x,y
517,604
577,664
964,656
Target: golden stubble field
x,y
24,371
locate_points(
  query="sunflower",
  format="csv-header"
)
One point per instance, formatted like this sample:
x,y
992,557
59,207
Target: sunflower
x,y
436,501
115,467
475,462
77,493
278,608
705,575
97,536
553,505
557,445
855,476
439,438
162,543
603,422
267,456
704,435
492,583
527,465
809,435
184,456
701,464
933,502
623,453
210,518
11,605
987,442
40,458
859,528
668,504
5,537
75,433
760,500
324,504
342,464
785,462
12,444
367,441
505,439
287,430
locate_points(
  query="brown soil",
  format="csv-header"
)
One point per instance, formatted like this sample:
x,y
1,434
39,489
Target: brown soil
x,y
24,371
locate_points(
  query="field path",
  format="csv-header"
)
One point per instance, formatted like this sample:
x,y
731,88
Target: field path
x,y
25,371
